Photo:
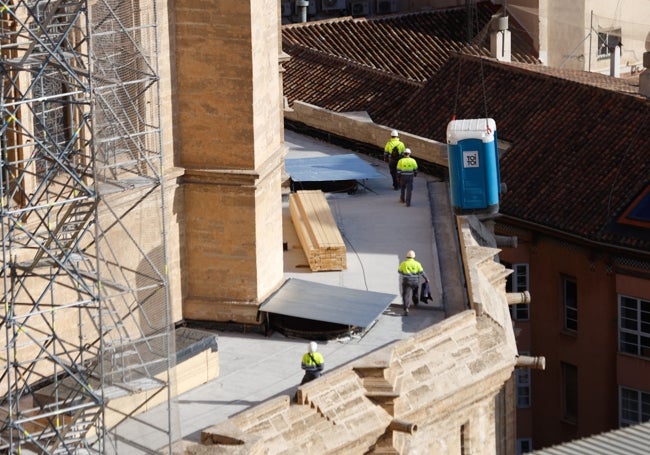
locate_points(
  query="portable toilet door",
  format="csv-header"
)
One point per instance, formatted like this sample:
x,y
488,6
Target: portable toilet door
x,y
473,166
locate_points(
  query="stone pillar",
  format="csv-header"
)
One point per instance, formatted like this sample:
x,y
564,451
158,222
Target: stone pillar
x,y
229,142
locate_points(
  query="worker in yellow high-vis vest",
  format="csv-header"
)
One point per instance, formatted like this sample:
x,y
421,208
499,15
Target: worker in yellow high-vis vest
x,y
410,272
407,169
313,363
392,153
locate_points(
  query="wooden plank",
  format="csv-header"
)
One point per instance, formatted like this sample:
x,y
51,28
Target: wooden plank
x,y
318,217
317,230
322,220
299,223
305,206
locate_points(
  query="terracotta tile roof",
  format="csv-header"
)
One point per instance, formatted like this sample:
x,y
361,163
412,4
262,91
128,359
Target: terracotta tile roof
x,y
413,46
342,85
580,148
580,154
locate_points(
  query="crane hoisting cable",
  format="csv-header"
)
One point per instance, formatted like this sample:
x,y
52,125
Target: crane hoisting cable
x,y
473,156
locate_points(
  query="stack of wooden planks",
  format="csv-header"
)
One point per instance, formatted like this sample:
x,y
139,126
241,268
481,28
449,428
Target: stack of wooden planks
x,y
318,233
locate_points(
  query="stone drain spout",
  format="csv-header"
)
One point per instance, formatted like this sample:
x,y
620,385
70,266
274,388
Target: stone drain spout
x,y
403,427
536,363
515,298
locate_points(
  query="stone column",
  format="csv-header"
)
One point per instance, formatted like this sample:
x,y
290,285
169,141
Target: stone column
x,y
229,142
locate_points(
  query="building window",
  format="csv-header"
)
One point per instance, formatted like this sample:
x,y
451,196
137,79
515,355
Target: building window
x,y
638,212
518,281
570,303
522,378
43,138
634,406
608,40
570,392
524,445
523,387
634,326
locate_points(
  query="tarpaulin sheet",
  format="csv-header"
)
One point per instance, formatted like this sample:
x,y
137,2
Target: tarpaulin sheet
x,y
322,302
330,168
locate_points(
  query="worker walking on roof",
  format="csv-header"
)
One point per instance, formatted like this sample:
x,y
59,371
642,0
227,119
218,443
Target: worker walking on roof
x,y
407,169
392,153
410,272
313,363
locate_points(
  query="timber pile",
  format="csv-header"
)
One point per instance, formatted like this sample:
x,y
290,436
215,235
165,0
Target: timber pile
x,y
318,233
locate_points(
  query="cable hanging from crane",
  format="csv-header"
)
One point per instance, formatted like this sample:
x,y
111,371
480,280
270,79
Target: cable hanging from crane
x,y
472,14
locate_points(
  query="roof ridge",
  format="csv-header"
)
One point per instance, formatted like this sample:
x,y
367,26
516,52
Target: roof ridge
x,y
580,77
317,52
383,17
328,20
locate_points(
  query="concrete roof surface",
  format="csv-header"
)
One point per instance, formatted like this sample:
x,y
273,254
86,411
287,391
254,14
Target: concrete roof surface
x,y
378,230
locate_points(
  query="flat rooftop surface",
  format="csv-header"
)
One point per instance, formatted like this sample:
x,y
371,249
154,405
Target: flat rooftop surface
x,y
378,230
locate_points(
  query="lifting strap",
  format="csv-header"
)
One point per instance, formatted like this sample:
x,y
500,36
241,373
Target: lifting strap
x,y
474,15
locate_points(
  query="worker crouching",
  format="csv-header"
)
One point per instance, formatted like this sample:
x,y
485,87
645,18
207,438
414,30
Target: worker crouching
x,y
313,363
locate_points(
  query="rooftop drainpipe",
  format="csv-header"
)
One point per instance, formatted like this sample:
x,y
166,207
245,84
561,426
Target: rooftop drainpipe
x,y
644,78
500,38
302,9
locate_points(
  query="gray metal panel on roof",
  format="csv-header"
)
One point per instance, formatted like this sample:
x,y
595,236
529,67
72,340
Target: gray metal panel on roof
x,y
322,302
330,169
632,440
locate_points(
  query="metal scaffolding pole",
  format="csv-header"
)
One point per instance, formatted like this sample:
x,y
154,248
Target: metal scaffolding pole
x,y
88,338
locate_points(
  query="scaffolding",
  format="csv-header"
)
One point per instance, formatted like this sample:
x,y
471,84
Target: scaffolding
x,y
87,338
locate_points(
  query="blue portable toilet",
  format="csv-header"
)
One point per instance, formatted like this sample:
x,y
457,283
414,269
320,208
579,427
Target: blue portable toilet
x,y
473,166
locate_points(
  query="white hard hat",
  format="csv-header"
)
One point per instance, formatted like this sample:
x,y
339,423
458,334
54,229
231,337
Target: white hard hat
x,y
410,254
407,152
313,346
394,133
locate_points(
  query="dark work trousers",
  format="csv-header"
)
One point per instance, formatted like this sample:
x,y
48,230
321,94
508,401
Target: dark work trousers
x,y
310,376
406,187
392,167
410,288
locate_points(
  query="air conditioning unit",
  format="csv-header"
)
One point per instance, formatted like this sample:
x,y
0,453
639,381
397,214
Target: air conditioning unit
x,y
386,6
286,9
332,5
359,8
311,9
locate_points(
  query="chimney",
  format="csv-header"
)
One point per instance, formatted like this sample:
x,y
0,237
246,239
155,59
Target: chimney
x,y
615,61
500,38
302,6
644,78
